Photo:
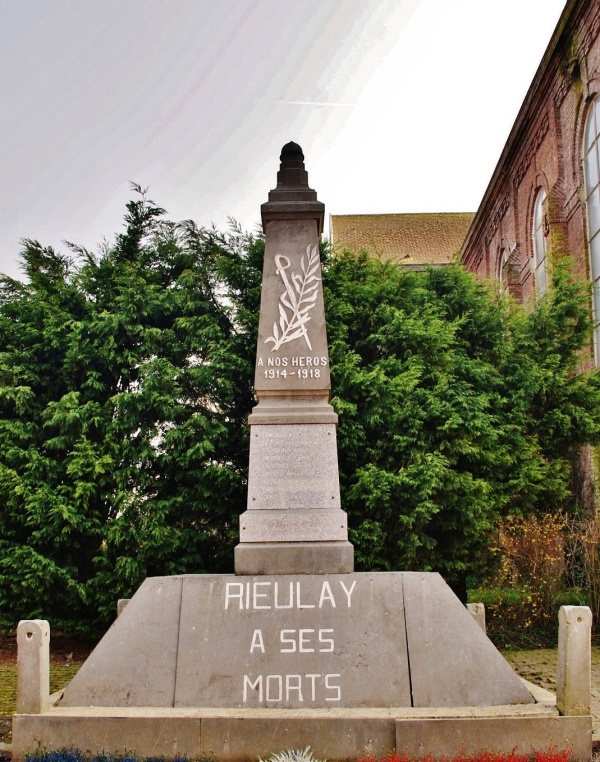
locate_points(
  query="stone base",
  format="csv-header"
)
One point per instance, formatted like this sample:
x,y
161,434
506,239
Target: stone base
x,y
239,667
395,639
294,558
333,734
305,526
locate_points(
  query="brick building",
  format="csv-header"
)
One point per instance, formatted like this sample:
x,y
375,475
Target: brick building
x,y
545,192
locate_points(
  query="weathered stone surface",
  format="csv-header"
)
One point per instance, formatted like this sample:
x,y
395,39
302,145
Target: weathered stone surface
x,y
477,611
292,341
574,667
450,737
452,662
291,642
294,558
292,198
135,662
33,666
293,467
280,409
121,603
333,734
150,736
330,738
540,695
293,526
291,331
294,641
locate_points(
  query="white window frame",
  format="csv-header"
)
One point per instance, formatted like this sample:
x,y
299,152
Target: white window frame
x,y
591,173
502,273
540,245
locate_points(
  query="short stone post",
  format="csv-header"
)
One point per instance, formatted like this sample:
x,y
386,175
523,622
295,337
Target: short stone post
x,y
33,666
477,611
574,669
121,603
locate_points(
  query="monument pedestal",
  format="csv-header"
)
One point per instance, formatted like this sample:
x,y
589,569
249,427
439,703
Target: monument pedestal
x,y
397,639
294,557
335,735
294,523
239,667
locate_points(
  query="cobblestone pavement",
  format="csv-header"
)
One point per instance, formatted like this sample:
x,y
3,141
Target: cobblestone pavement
x,y
539,667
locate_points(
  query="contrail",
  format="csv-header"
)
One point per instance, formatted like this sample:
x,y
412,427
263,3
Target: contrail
x,y
313,103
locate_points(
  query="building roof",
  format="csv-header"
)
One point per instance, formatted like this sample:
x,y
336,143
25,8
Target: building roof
x,y
413,239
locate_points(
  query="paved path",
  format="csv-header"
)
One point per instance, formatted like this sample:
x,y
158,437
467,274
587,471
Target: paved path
x,y
539,667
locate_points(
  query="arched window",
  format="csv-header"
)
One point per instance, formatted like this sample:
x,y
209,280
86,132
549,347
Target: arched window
x,y
591,166
508,269
539,244
503,269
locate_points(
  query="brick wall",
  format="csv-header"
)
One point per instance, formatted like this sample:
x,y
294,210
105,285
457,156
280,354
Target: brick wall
x,y
544,150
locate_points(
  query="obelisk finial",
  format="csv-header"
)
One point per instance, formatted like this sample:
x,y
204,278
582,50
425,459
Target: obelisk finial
x,y
294,523
291,149
292,198
292,172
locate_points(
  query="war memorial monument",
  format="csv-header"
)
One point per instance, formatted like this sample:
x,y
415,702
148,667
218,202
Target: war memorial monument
x,y
295,648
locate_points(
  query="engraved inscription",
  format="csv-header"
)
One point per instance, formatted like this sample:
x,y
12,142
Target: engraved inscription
x,y
304,686
307,366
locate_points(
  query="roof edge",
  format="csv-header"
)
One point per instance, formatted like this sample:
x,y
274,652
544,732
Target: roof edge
x,y
532,91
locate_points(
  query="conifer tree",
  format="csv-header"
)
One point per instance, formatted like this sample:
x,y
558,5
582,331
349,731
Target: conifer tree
x,y
456,408
126,382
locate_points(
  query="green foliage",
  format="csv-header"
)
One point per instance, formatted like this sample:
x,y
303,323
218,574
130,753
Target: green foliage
x,y
126,382
456,408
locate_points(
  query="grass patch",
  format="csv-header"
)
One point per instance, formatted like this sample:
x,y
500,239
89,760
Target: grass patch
x,y
519,596
60,676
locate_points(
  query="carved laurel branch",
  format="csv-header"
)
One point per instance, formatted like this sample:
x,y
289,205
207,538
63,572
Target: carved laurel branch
x,y
297,300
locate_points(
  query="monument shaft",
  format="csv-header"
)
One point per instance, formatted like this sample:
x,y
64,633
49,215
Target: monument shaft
x,y
294,523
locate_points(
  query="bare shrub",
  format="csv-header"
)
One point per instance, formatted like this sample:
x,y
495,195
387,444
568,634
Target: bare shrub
x,y
532,559
583,560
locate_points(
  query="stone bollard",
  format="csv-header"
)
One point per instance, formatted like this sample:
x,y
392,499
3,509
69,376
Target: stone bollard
x,y
121,603
574,670
33,666
477,611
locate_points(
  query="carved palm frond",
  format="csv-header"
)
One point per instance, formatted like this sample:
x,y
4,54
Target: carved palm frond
x,y
297,300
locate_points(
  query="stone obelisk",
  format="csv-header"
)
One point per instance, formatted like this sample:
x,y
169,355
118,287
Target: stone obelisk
x,y
294,523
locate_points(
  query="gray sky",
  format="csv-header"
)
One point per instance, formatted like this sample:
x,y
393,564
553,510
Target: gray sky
x,y
399,106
